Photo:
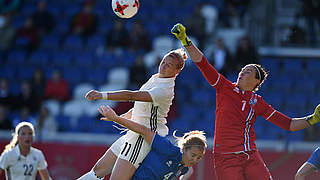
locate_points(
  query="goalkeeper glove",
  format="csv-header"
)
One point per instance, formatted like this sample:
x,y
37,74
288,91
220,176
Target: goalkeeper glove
x,y
315,117
180,32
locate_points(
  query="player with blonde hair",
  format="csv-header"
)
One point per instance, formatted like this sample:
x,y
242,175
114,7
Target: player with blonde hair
x,y
151,106
20,160
165,160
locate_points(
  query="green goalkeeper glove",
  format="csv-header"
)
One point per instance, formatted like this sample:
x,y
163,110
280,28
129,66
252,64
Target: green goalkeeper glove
x,y
180,32
315,117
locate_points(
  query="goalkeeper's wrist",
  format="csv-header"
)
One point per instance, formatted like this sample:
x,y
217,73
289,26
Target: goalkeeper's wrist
x,y
104,95
186,41
311,120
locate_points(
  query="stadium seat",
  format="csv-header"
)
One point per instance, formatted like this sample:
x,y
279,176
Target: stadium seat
x,y
64,123
73,75
296,102
119,76
74,108
80,90
83,59
162,45
24,72
107,60
39,58
96,76
95,42
53,107
73,43
51,43
62,59
17,57
271,64
8,72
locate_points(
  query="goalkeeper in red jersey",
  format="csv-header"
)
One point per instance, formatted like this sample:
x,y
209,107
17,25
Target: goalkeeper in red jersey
x,y
234,150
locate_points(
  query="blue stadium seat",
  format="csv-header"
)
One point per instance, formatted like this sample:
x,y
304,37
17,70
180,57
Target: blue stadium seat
x,y
292,65
17,57
73,75
8,72
83,59
96,76
271,64
62,59
313,65
64,123
108,60
39,58
296,102
95,42
51,43
24,72
73,43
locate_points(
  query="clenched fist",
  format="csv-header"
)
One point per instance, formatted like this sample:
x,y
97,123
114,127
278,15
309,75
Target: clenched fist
x,y
93,95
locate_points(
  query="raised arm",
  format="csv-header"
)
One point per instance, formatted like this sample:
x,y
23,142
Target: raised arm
x,y
110,115
123,95
304,122
208,71
180,32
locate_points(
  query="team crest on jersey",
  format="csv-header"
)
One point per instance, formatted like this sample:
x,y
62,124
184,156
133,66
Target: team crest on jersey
x,y
169,163
253,101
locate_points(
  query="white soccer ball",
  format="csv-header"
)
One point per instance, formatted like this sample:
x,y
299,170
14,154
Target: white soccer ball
x,y
125,8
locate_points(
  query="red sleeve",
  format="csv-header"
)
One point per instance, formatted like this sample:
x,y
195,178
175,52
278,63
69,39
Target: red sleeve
x,y
274,116
208,71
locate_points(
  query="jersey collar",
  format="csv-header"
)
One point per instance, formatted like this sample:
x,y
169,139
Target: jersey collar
x,y
157,78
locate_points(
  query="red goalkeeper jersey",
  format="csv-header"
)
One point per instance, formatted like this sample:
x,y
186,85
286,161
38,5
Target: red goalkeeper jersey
x,y
236,113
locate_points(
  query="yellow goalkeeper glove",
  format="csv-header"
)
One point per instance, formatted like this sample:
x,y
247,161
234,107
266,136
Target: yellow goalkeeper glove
x,y
315,117
180,32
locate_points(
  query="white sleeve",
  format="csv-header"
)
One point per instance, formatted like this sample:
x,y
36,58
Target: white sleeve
x,y
158,94
42,162
4,160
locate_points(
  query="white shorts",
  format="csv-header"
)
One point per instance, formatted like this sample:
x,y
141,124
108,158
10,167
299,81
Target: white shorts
x,y
132,147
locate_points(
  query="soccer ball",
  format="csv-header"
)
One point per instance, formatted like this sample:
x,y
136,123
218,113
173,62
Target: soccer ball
x,y
125,8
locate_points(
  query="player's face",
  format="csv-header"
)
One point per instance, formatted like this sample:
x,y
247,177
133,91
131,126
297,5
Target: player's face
x,y
168,67
25,136
192,156
247,78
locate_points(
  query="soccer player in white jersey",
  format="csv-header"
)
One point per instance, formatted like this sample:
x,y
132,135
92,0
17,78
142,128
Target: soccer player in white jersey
x,y
19,160
151,107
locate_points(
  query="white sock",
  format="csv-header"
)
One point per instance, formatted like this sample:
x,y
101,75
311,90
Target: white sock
x,y
89,176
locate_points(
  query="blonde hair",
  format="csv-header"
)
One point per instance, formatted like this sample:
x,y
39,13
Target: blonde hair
x,y
192,138
180,55
14,140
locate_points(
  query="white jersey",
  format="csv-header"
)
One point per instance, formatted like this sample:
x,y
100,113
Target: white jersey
x,y
153,114
19,167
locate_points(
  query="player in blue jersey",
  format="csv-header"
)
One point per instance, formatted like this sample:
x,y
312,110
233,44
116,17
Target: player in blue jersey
x,y
165,160
310,166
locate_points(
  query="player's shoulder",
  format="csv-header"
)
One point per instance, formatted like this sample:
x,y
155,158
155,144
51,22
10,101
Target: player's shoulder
x,y
36,151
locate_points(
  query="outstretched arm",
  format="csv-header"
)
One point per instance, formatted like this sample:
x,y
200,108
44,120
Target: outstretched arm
x,y
123,95
304,122
133,126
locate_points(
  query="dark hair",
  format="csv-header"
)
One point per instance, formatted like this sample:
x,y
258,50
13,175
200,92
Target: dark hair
x,y
261,75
